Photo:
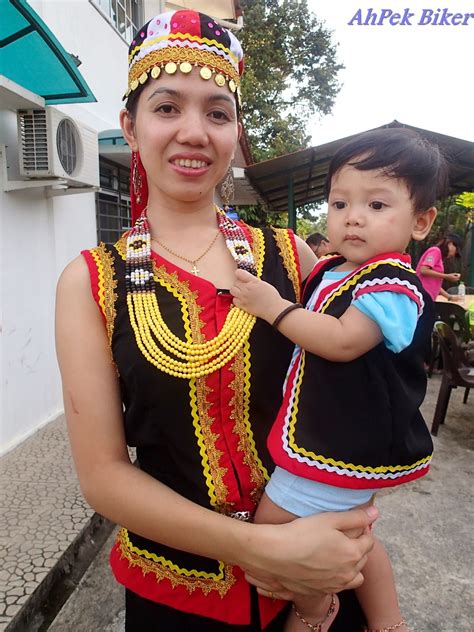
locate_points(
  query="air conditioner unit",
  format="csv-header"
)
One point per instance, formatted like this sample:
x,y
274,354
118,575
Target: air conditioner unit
x,y
52,145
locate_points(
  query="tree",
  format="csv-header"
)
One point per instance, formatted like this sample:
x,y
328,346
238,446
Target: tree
x,y
290,74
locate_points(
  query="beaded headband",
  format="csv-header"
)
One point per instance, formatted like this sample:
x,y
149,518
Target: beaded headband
x,y
178,41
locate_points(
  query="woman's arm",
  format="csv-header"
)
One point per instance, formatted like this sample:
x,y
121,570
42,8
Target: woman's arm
x,y
308,554
336,339
429,272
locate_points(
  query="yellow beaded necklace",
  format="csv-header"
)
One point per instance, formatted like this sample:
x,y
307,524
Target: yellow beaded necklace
x,y
158,344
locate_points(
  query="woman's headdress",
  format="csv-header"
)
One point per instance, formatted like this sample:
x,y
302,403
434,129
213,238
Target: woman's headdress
x,y
176,42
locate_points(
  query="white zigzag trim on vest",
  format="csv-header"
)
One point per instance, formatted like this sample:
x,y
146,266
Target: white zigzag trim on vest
x,y
388,281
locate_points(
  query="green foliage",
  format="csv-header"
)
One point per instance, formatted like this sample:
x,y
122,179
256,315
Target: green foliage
x,y
466,199
308,220
290,74
305,227
257,216
451,218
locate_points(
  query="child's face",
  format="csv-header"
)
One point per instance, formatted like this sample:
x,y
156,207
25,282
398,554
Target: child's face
x,y
371,214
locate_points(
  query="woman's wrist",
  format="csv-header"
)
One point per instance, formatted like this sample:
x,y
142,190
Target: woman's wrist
x,y
252,544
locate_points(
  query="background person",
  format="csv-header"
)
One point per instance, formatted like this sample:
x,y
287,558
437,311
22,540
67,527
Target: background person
x,y
453,261
319,244
430,268
153,355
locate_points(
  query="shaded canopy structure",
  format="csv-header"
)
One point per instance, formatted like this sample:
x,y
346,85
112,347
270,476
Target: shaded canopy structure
x,y
297,179
32,57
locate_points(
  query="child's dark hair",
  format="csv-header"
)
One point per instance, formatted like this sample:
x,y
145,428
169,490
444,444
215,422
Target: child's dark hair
x,y
400,153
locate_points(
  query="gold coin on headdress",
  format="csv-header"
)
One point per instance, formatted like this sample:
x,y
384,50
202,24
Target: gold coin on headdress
x,y
171,68
134,84
232,85
143,77
185,67
155,72
220,80
206,73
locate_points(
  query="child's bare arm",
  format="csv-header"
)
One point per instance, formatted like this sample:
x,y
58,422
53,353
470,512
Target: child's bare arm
x,y
336,339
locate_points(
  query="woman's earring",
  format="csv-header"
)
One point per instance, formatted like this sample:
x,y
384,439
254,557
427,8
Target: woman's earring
x,y
136,179
227,187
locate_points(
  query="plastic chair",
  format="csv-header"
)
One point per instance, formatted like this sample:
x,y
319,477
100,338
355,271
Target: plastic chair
x,y
456,372
455,316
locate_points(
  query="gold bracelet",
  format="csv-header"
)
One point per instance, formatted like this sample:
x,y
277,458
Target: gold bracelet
x,y
285,312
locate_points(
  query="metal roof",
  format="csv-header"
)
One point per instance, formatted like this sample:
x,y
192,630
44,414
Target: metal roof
x,y
303,172
32,57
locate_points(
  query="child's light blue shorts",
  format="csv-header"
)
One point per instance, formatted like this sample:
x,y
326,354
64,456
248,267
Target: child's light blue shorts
x,y
304,497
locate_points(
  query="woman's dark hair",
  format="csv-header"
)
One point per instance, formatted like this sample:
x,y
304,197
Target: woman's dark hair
x,y
132,102
400,153
443,245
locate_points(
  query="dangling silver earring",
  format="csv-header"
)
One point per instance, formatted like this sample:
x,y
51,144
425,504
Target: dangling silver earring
x,y
227,187
136,178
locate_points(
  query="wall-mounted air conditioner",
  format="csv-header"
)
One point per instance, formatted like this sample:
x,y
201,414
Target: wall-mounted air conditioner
x,y
52,145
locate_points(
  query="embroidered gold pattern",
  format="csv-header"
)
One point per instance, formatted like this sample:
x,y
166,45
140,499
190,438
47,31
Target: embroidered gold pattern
x,y
285,247
242,427
180,55
183,37
107,285
241,386
164,569
219,488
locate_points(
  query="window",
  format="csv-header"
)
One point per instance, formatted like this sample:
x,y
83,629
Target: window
x,y
125,15
112,202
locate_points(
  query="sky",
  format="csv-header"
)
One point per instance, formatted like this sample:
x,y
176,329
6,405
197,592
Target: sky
x,y
421,75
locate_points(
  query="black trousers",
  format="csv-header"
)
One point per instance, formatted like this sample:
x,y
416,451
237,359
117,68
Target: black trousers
x,y
143,615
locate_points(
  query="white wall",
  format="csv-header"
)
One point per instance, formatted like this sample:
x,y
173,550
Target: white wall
x,y
39,235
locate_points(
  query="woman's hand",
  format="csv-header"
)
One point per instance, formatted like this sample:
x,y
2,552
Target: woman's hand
x,y
312,554
452,276
256,296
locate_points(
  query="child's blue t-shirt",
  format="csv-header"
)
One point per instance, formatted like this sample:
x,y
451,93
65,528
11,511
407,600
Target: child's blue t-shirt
x,y
396,314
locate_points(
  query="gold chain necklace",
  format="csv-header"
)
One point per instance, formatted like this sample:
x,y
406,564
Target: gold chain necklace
x,y
195,270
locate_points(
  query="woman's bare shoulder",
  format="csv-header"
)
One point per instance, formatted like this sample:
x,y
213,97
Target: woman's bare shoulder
x,y
75,277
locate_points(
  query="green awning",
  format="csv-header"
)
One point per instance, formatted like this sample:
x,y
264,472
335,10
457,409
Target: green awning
x,y
31,56
111,137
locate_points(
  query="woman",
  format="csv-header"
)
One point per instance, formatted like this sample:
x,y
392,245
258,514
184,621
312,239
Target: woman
x,y
157,357
453,261
430,268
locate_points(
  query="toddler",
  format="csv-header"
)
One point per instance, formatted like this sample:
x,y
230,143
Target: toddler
x,y
350,424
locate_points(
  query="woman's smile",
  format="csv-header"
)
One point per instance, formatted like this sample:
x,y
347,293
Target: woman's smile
x,y
190,164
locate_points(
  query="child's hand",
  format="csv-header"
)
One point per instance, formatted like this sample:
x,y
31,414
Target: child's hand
x,y
257,297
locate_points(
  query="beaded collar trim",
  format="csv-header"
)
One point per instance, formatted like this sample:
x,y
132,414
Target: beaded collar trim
x,y
155,340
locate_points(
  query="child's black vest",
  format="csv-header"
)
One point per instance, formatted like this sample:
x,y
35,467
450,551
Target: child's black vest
x,y
357,424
